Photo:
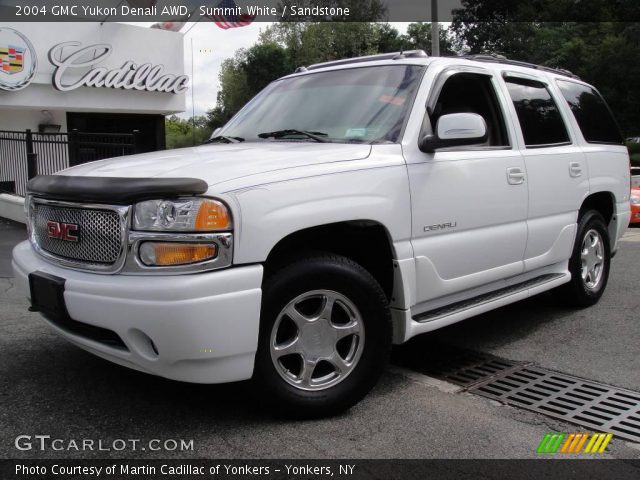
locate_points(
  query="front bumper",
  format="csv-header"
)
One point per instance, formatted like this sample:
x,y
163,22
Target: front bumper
x,y
203,327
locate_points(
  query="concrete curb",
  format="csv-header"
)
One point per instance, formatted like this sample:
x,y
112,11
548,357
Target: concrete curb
x,y
12,207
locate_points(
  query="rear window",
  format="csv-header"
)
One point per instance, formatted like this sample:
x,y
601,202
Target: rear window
x,y
592,113
538,114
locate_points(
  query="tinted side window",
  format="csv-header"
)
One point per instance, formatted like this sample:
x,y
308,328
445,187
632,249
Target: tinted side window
x,y
592,113
538,114
473,93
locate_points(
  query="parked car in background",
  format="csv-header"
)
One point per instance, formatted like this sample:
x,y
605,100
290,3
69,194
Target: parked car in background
x,y
635,196
635,206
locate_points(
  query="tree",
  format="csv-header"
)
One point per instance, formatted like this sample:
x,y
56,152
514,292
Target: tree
x,y
244,75
418,37
179,132
314,42
602,51
389,39
263,63
234,91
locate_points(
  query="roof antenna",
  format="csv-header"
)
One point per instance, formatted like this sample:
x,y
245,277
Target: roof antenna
x,y
400,55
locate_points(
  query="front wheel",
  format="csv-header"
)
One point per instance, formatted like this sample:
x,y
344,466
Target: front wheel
x,y
589,263
325,336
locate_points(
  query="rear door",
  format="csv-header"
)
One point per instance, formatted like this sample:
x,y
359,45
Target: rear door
x,y
556,169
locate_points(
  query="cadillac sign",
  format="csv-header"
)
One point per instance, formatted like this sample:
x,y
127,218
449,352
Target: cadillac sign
x,y
70,57
18,60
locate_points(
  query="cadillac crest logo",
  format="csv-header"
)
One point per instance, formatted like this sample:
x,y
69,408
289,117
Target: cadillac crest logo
x,y
18,60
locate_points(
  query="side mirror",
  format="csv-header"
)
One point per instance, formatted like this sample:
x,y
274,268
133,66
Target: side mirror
x,y
454,130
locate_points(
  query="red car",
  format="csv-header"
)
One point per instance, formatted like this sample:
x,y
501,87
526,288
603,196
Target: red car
x,y
635,206
635,196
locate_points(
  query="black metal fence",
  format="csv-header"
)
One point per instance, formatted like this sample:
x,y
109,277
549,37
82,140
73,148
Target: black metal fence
x,y
26,154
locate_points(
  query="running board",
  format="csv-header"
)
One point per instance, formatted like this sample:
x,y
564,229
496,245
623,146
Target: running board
x,y
485,298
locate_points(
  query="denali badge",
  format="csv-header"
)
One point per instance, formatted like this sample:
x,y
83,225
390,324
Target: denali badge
x,y
440,226
63,231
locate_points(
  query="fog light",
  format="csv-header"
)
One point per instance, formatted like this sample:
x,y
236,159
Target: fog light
x,y
154,254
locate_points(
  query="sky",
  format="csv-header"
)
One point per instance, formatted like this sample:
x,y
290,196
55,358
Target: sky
x,y
212,45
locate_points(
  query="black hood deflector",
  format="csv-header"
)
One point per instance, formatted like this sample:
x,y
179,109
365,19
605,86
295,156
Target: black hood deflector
x,y
112,190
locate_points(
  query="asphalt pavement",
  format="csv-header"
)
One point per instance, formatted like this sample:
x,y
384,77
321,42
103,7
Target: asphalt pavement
x,y
11,233
49,387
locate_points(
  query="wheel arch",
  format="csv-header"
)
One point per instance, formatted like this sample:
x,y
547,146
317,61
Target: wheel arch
x,y
604,202
367,242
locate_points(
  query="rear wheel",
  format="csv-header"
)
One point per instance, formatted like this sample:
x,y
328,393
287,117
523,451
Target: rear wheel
x,y
325,336
589,263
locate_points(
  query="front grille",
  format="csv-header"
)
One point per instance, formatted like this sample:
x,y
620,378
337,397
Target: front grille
x,y
99,233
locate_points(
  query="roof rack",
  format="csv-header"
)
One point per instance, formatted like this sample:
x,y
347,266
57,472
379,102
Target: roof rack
x,y
368,58
495,58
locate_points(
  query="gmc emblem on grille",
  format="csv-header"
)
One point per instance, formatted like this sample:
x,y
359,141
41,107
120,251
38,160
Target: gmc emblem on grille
x,y
63,231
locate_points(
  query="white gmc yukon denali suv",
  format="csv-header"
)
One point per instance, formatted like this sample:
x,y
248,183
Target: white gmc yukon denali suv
x,y
349,206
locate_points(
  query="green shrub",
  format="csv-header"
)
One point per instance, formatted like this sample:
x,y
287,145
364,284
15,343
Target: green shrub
x,y
633,147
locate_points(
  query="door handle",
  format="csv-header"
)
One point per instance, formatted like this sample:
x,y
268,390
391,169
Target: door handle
x,y
575,169
515,176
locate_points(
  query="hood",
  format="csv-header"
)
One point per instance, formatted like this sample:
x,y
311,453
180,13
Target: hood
x,y
219,163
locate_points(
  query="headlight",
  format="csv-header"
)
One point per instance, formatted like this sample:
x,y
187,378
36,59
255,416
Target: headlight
x,y
635,200
183,215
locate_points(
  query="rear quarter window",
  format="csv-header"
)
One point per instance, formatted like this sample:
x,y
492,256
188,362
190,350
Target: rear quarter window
x,y
591,112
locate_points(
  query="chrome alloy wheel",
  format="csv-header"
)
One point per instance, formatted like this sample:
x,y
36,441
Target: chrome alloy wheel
x,y
317,340
592,257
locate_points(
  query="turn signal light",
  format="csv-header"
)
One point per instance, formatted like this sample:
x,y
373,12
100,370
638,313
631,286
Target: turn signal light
x,y
212,215
155,254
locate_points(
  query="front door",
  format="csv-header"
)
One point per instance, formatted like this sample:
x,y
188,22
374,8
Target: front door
x,y
469,204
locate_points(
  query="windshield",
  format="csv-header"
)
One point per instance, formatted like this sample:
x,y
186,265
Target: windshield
x,y
367,104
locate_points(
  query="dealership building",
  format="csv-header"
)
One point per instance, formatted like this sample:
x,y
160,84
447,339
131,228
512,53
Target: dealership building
x,y
91,78
70,51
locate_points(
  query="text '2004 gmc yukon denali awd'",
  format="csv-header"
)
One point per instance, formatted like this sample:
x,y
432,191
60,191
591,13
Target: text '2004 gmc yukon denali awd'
x,y
347,207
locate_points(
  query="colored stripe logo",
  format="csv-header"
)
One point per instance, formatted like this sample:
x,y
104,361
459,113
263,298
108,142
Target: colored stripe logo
x,y
568,443
11,59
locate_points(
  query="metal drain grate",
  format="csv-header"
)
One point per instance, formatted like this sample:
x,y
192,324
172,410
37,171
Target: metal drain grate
x,y
474,368
455,365
572,399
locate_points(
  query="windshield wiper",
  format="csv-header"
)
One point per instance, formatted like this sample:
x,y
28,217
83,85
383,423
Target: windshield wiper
x,y
317,136
223,139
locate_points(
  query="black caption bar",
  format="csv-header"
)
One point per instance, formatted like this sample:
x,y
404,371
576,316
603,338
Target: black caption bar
x,y
321,10
319,469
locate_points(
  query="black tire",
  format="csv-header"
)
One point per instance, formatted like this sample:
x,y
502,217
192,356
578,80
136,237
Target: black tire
x,y
321,272
577,293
